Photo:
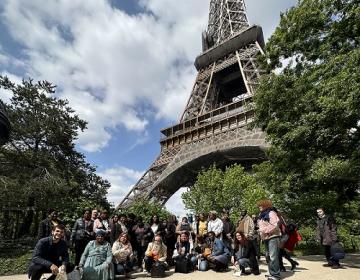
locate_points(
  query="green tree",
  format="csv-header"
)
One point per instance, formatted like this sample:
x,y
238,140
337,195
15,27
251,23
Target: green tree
x,y
146,209
232,189
309,106
40,166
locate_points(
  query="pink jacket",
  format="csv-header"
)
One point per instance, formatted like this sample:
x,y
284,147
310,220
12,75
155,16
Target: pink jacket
x,y
269,229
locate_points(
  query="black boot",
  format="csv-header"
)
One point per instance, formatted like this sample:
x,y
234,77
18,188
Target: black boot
x,y
293,264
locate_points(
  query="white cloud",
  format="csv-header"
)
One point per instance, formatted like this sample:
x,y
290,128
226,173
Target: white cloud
x,y
122,179
107,63
175,204
5,94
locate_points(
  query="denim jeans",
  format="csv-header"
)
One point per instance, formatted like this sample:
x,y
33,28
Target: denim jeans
x,y
272,247
243,262
122,268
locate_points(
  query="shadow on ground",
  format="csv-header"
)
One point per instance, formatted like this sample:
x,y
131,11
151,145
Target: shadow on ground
x,y
350,261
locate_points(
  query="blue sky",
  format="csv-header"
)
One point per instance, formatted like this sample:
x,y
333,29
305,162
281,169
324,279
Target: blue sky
x,y
126,67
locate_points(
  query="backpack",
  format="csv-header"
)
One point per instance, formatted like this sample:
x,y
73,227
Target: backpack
x,y
183,265
158,270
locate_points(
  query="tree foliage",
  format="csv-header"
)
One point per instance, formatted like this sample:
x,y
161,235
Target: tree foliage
x,y
146,210
40,166
309,106
232,189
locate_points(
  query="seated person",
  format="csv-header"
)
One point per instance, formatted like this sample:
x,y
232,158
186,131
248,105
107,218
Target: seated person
x,y
219,257
244,255
183,251
96,261
155,252
50,254
123,254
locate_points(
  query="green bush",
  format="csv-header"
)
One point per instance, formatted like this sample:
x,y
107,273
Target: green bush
x,y
15,264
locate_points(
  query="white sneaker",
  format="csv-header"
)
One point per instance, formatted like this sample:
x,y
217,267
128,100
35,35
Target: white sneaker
x,y
237,273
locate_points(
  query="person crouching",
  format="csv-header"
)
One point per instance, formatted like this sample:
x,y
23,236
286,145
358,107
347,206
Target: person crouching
x,y
155,252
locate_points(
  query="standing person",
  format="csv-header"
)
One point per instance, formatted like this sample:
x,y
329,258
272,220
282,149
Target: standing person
x,y
143,236
96,261
215,224
154,224
201,229
81,234
155,252
122,222
170,238
183,227
256,236
94,214
244,255
227,229
45,227
130,223
326,235
283,240
270,233
50,254
115,228
123,254
246,225
103,223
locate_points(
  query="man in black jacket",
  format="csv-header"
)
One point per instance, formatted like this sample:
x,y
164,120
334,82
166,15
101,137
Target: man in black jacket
x,y
50,254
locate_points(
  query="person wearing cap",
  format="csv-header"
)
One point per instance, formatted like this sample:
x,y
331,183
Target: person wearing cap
x,y
215,224
96,261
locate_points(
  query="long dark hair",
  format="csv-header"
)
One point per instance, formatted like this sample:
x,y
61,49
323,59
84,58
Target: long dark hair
x,y
243,241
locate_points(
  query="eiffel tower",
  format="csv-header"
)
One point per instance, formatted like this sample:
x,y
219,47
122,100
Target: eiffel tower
x,y
213,126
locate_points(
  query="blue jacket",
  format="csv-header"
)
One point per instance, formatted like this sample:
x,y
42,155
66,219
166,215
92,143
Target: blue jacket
x,y
219,248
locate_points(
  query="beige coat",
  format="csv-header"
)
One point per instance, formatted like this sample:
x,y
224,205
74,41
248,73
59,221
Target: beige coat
x,y
155,247
246,225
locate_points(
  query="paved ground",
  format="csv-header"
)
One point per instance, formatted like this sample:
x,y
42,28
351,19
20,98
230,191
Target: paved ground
x,y
310,268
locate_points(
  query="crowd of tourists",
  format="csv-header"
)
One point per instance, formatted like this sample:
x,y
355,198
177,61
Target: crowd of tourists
x,y
105,247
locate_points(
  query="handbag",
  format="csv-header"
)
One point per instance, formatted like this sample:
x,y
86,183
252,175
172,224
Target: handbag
x,y
74,275
337,251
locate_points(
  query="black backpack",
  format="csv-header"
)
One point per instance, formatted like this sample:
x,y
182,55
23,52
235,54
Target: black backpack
x,y
183,265
158,270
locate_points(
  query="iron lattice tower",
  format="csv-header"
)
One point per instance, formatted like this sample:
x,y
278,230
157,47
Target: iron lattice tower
x,y
213,126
